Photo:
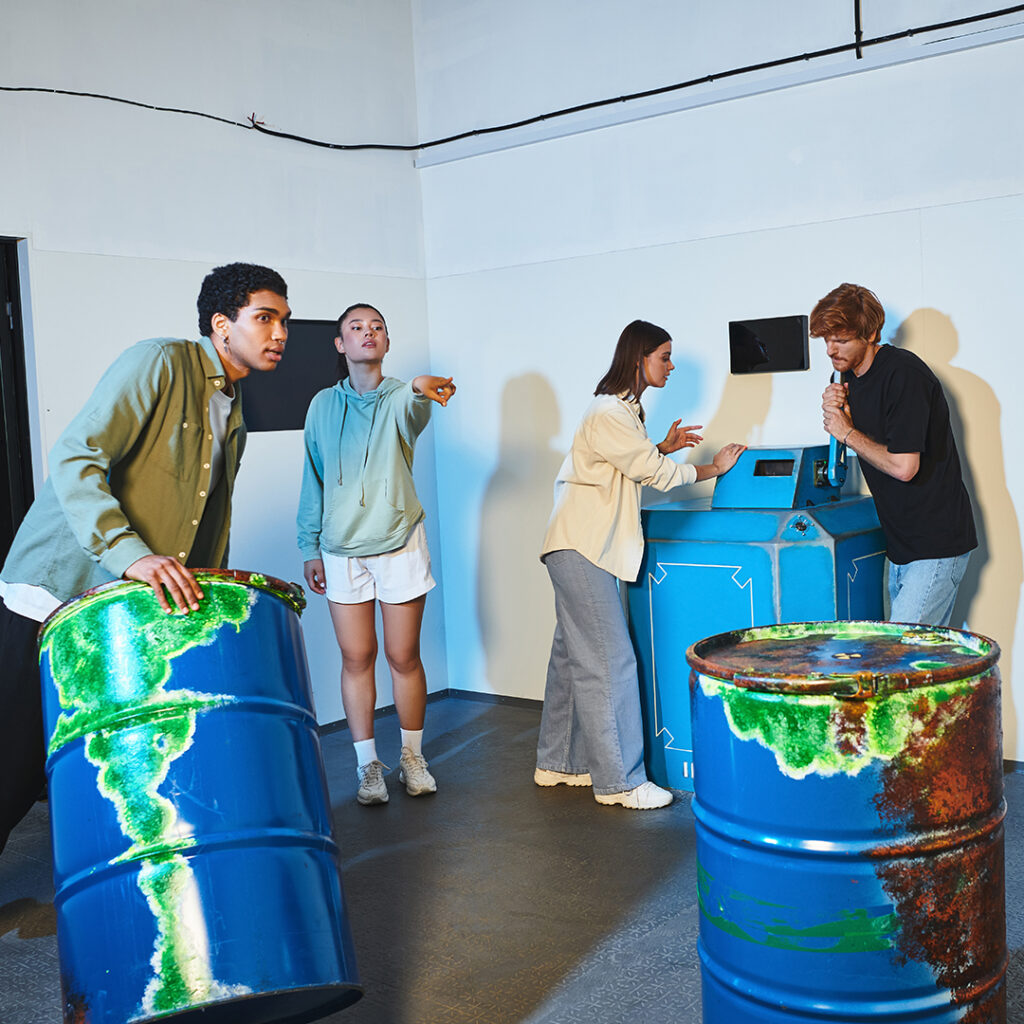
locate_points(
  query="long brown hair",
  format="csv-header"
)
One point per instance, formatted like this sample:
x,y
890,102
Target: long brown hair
x,y
637,340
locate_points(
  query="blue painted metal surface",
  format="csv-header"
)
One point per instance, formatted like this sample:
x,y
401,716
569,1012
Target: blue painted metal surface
x,y
777,543
849,824
195,869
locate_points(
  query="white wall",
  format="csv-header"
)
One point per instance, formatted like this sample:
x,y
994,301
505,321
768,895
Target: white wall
x,y
126,209
908,179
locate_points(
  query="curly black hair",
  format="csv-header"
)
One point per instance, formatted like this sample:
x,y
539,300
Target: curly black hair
x,y
227,289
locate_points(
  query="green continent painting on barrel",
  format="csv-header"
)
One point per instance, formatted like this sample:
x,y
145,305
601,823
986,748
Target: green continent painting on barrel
x,y
818,734
111,663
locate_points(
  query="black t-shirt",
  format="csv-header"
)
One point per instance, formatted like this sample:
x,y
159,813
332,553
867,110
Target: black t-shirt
x,y
899,403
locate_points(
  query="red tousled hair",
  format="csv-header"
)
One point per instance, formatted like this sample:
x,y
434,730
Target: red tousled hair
x,y
850,307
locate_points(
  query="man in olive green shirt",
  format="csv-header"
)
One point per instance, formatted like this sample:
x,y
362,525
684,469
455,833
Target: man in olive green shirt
x,y
140,487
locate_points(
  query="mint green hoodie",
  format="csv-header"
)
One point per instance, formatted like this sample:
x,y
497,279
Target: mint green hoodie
x,y
358,496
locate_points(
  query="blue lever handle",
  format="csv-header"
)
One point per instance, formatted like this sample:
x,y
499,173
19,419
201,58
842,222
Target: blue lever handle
x,y
836,457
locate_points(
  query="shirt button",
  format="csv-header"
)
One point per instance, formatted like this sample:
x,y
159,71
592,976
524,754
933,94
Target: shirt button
x,y
195,522
185,426
181,554
202,494
218,383
206,465
209,437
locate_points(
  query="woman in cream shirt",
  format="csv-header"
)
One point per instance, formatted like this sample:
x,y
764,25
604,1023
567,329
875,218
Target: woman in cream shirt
x,y
591,733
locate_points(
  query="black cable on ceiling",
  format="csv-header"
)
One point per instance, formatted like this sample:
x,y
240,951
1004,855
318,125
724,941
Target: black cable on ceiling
x,y
856,46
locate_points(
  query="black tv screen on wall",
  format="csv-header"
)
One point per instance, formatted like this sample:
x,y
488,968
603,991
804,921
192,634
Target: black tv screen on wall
x,y
278,400
773,345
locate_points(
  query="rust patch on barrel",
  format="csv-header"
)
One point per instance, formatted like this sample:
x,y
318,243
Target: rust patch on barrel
x,y
950,903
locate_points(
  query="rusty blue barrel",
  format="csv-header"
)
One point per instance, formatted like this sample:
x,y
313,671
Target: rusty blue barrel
x,y
196,873
848,797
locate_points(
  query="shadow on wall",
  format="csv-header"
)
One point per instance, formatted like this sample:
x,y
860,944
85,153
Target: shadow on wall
x,y
514,599
990,593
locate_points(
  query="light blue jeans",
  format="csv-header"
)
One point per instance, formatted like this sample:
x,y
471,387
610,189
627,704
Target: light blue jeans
x,y
924,591
591,719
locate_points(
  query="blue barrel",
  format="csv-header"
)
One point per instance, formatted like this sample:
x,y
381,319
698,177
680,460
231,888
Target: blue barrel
x,y
849,820
195,870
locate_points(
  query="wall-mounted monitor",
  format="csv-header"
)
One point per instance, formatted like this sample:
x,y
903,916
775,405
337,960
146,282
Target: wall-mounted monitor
x,y
278,399
773,345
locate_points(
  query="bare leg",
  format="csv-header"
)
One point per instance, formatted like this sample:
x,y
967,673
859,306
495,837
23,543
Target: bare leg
x,y
357,638
402,648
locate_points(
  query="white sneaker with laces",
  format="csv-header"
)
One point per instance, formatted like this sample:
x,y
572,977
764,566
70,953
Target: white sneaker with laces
x,y
412,770
645,797
372,789
546,777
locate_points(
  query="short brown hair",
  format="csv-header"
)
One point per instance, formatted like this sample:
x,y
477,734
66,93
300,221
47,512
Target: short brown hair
x,y
850,307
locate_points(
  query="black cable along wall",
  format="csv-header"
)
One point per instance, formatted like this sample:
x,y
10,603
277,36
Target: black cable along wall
x,y
857,46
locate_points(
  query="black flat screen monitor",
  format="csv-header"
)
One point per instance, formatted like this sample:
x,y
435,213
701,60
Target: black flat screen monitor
x,y
772,345
278,399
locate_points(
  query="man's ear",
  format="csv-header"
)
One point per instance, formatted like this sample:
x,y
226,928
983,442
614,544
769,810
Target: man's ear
x,y
219,323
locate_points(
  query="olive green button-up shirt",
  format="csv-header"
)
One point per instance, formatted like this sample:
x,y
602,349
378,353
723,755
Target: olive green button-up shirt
x,y
130,476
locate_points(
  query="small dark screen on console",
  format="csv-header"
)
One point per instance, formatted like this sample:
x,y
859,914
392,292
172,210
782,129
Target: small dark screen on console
x,y
774,467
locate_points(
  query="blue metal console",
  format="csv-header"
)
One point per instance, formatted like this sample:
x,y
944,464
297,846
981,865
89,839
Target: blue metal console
x,y
777,542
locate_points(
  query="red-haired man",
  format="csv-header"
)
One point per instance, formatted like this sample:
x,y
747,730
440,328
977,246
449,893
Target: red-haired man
x,y
890,409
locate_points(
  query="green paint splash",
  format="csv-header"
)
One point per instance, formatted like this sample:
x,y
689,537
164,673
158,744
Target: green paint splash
x,y
110,660
853,931
823,735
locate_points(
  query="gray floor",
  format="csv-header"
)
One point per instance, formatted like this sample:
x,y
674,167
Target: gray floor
x,y
491,902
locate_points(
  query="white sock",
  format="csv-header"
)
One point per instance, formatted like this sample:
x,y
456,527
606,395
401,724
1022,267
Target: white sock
x,y
366,751
413,739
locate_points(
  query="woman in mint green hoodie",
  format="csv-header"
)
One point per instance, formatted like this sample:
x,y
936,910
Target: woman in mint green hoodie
x,y
361,535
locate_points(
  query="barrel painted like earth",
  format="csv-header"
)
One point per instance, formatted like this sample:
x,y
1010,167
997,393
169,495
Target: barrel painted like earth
x,y
196,874
849,818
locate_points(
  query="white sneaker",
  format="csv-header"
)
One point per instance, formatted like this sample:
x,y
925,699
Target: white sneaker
x,y
645,797
545,777
372,789
412,770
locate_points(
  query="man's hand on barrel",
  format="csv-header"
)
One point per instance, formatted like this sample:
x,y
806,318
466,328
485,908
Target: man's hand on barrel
x,y
162,572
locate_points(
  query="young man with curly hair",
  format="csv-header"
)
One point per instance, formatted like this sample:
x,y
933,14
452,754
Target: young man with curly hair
x,y
891,410
139,488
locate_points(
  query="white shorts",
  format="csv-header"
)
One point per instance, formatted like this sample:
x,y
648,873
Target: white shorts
x,y
393,577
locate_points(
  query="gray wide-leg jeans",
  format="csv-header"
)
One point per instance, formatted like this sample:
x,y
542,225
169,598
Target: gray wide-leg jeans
x,y
591,720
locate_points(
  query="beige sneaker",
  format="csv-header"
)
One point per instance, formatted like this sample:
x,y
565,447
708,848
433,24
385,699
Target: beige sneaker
x,y
412,770
645,797
545,777
372,789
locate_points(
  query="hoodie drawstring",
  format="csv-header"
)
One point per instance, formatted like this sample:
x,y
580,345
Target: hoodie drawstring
x,y
366,454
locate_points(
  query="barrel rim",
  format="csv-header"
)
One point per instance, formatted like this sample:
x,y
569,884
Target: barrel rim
x,y
853,685
291,593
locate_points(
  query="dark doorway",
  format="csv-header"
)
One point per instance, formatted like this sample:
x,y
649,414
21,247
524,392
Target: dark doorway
x,y
15,453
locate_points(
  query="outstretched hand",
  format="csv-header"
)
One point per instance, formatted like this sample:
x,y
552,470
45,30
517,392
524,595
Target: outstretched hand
x,y
680,437
725,458
437,389
162,572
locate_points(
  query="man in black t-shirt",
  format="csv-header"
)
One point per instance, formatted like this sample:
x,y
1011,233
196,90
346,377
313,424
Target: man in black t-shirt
x,y
890,409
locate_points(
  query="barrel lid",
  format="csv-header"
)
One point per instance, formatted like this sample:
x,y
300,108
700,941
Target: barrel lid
x,y
292,593
848,659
